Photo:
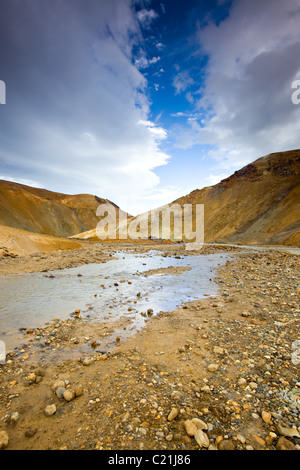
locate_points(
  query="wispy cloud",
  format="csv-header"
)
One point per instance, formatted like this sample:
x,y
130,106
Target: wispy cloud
x,y
182,81
146,17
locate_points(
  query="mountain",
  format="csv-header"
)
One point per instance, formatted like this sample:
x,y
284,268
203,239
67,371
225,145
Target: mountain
x,y
46,212
258,204
18,242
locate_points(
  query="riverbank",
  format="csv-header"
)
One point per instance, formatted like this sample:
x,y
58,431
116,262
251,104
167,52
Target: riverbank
x,y
218,373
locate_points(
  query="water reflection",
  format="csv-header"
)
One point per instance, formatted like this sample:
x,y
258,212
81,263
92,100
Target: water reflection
x,y
104,291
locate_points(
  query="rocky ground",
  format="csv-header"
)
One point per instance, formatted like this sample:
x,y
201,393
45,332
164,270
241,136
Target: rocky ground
x,y
218,373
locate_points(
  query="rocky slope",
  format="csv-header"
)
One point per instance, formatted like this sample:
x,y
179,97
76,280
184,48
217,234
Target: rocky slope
x,y
15,242
46,212
259,204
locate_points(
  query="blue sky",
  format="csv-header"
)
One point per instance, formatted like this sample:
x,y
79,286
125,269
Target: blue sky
x,y
142,102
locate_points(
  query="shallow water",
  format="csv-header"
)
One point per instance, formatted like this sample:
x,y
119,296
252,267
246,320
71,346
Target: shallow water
x,y
30,300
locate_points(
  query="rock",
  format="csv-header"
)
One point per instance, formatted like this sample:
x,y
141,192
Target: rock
x,y
3,440
58,383
258,442
242,381
78,390
190,427
30,432
201,438
173,414
253,385
241,438
14,417
69,395
150,312
87,361
246,314
60,391
31,378
199,424
219,351
288,432
213,367
267,417
50,410
226,444
285,444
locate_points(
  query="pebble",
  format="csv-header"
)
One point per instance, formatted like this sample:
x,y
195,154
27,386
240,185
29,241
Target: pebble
x,y
78,390
57,384
241,438
246,314
288,432
87,361
199,424
201,438
226,444
190,427
50,410
285,444
242,381
173,414
213,367
3,439
266,416
60,391
14,417
30,432
219,351
69,395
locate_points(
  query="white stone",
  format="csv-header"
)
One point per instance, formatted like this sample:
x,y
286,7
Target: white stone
x,y
201,438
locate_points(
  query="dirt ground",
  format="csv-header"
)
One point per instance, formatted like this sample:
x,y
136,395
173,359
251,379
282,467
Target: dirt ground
x,y
218,373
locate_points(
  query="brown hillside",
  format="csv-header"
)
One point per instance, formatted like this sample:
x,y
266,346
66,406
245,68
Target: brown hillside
x,y
20,242
259,204
46,212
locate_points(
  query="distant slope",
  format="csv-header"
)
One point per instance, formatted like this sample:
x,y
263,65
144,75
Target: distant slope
x,y
259,204
46,212
20,242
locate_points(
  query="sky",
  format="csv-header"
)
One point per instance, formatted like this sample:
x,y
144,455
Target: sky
x,y
142,102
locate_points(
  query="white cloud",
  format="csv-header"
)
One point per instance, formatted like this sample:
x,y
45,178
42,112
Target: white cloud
x,y
75,122
182,81
254,56
160,46
146,17
142,62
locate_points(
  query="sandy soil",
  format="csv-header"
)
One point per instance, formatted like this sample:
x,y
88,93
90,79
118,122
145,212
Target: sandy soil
x,y
226,367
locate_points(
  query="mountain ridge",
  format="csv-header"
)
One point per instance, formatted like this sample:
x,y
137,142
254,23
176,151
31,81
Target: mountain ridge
x,y
47,212
258,204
